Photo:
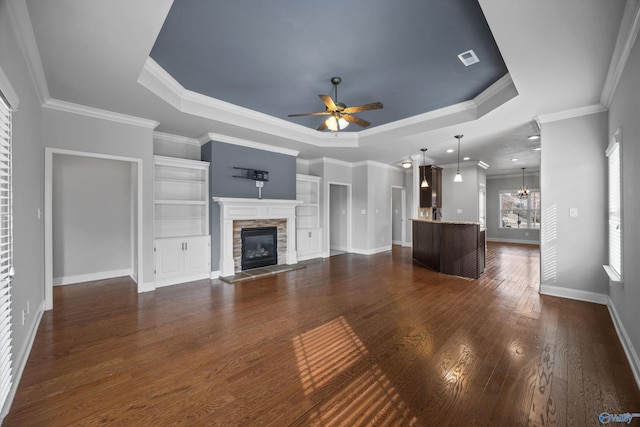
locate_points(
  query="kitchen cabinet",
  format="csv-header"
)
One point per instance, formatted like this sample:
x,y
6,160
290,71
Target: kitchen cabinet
x,y
431,196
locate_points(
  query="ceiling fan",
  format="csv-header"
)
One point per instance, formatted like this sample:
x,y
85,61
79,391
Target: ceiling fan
x,y
339,114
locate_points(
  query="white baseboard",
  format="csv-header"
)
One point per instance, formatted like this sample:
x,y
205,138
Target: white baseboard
x,y
146,287
134,277
576,294
180,279
310,256
214,274
396,242
19,364
523,241
339,248
627,345
371,251
69,280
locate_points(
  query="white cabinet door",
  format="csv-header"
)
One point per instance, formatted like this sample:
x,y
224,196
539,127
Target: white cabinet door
x,y
309,243
169,258
197,255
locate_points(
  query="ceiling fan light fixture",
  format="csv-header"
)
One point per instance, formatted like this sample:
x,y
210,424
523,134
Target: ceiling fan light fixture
x,y
336,125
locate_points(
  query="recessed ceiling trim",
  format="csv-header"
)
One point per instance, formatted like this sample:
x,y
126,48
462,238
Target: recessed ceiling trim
x,y
158,81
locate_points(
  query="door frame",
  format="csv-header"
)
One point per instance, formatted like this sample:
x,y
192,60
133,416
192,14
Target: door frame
x,y
403,216
48,215
327,216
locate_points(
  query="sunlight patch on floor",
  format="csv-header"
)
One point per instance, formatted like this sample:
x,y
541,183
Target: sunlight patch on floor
x,y
350,390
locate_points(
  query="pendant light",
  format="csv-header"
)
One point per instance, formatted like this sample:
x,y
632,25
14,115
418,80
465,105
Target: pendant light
x,y
424,183
523,192
458,177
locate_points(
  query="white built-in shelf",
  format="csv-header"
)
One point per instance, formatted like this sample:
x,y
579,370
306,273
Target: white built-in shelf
x,y
181,197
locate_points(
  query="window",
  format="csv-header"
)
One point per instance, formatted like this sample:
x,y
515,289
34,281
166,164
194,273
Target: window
x,y
517,213
6,250
614,269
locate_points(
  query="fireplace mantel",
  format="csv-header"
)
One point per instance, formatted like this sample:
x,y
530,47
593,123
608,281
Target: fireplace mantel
x,y
232,208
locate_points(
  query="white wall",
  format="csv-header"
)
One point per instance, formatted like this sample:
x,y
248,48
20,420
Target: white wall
x,y
397,220
92,210
624,114
460,196
28,194
573,175
501,183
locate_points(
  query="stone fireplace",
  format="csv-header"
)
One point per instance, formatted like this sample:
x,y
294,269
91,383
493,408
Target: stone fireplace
x,y
237,214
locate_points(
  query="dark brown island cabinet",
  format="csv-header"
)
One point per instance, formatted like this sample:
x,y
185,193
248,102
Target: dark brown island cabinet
x,y
456,248
431,196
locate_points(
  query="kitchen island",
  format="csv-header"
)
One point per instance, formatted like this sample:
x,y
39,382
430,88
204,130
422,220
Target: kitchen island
x,y
449,247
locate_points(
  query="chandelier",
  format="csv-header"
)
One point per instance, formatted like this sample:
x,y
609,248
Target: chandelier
x,y
523,192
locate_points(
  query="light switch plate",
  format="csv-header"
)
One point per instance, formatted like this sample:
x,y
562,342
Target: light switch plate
x,y
459,210
573,212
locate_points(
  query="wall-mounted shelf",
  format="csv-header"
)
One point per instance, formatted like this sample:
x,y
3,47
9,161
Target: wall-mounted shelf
x,y
253,174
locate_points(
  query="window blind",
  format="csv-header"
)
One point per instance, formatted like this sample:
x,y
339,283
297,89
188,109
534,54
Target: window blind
x,y
6,251
615,224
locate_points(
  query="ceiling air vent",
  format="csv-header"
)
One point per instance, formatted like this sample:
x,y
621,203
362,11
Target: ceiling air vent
x,y
469,57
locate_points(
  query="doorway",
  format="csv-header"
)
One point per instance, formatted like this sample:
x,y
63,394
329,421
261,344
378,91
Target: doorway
x,y
398,222
58,158
339,218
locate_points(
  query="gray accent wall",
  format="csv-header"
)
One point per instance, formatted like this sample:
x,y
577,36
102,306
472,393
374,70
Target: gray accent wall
x,y
92,210
624,114
222,158
502,183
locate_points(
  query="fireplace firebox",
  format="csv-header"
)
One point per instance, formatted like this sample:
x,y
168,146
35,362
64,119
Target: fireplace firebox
x,y
259,247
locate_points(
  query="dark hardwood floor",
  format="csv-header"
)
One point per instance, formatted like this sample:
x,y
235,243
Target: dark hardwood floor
x,y
349,341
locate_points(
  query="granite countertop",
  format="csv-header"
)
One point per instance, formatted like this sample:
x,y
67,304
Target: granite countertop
x,y
446,222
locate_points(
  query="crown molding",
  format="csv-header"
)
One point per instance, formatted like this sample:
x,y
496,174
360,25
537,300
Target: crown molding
x,y
69,107
373,163
167,137
23,30
7,91
330,161
211,136
626,38
572,113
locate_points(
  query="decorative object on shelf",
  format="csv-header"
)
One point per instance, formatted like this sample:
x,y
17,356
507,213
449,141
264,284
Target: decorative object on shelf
x,y
407,164
458,177
424,183
339,114
523,192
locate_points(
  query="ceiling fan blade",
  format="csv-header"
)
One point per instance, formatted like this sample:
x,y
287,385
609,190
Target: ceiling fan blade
x,y
356,120
322,113
323,125
328,102
365,107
